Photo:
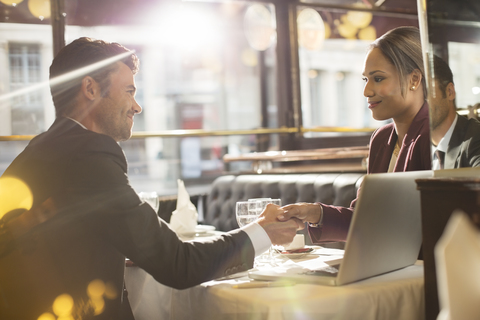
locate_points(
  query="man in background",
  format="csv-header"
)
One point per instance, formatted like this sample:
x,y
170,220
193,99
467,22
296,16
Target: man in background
x,y
456,139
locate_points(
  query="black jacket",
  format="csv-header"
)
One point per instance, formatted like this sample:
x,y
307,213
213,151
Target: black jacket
x,y
464,146
100,220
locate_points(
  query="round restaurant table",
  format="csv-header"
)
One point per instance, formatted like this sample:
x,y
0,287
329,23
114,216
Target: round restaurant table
x,y
395,295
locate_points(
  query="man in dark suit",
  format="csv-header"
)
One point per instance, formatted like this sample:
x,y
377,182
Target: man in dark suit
x,y
66,256
456,139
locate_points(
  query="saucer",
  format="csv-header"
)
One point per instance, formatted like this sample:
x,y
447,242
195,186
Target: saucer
x,y
201,230
294,253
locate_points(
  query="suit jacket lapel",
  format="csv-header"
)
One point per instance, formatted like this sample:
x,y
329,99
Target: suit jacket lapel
x,y
455,144
380,153
416,127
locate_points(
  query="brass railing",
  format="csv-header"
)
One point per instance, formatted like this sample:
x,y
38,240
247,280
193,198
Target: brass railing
x,y
210,133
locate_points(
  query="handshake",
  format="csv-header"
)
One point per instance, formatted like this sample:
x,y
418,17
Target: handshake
x,y
282,223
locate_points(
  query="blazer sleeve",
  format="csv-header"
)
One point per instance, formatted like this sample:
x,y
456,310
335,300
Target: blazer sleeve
x,y
336,220
113,210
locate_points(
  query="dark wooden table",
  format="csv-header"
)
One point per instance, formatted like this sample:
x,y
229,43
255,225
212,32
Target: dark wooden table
x,y
439,198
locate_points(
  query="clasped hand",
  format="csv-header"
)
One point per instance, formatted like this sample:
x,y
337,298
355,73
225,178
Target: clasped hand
x,y
282,223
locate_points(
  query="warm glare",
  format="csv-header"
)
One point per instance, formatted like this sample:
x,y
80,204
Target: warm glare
x,y
96,288
46,316
189,28
63,305
98,305
110,291
14,194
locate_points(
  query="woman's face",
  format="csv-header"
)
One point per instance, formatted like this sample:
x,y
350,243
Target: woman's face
x,y
382,87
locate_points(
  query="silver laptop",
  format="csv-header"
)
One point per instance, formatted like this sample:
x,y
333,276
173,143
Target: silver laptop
x,y
385,233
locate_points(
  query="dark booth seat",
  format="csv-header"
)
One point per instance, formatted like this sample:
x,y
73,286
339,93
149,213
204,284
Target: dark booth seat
x,y
329,188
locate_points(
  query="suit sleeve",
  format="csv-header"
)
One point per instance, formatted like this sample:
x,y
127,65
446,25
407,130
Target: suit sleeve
x,y
473,153
336,221
114,211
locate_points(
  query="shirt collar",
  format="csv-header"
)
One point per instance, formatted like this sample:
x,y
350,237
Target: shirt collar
x,y
81,125
443,144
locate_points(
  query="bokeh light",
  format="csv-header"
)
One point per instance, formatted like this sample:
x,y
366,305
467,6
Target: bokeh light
x,y
328,30
311,29
369,33
110,291
359,19
63,305
249,57
14,194
346,29
312,74
98,305
40,8
46,316
259,27
96,288
12,3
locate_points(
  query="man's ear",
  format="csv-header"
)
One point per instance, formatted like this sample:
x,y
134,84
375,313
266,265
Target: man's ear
x,y
89,88
450,91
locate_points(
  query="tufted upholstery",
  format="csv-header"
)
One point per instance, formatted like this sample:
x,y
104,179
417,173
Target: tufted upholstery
x,y
329,188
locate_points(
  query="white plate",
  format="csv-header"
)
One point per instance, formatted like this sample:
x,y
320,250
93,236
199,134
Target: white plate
x,y
203,228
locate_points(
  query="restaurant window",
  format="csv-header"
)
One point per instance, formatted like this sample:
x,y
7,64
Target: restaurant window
x,y
342,90
26,106
313,101
27,112
203,66
463,59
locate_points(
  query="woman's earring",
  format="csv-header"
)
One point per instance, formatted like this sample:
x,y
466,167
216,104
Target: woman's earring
x,y
412,88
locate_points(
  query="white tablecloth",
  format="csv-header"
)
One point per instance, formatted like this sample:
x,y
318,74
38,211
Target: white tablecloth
x,y
396,295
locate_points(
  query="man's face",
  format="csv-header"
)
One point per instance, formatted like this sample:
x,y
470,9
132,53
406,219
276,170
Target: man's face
x,y
114,113
440,107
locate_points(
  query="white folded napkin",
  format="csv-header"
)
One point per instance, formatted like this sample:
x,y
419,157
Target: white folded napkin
x,y
184,218
297,243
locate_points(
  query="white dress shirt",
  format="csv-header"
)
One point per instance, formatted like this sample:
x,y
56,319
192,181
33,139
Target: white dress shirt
x,y
258,235
442,145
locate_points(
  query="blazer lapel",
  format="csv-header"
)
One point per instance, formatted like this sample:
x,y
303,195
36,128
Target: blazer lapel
x,y
455,144
381,153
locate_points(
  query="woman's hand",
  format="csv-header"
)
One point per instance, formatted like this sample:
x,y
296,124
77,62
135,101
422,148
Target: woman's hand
x,y
307,212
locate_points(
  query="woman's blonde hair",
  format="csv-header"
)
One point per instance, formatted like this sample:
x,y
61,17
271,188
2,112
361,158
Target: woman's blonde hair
x,y
402,47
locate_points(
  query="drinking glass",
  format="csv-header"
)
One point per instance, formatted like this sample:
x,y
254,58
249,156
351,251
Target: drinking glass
x,y
151,198
262,202
247,211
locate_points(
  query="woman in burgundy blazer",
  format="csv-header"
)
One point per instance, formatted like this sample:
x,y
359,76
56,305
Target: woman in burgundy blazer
x,y
395,89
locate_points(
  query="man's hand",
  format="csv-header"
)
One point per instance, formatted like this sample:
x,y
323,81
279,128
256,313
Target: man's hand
x,y
306,212
280,233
